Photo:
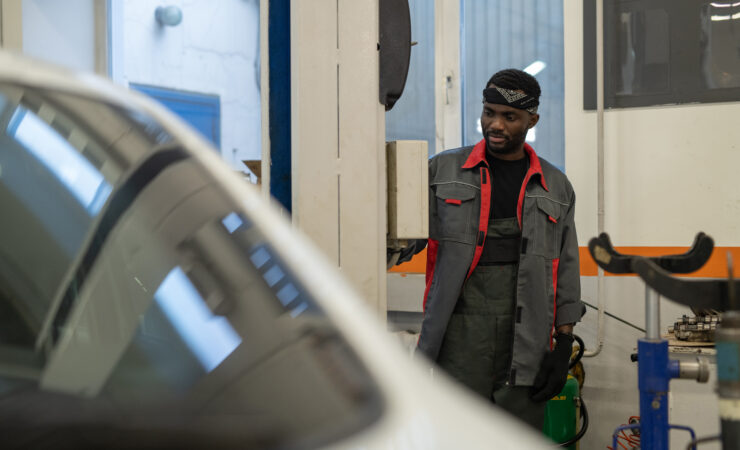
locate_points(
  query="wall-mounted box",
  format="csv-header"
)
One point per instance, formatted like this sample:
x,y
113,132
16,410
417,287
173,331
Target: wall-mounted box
x,y
408,189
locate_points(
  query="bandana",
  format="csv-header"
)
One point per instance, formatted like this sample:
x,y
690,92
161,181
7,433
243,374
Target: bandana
x,y
508,97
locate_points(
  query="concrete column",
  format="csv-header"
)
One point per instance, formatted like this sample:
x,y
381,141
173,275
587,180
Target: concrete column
x,y
338,138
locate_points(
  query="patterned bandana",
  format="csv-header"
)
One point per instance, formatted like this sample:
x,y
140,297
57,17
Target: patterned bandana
x,y
508,97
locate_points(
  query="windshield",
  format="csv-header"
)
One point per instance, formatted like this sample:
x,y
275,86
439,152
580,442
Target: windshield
x,y
168,314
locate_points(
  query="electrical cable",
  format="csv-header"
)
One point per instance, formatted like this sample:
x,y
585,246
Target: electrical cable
x,y
632,441
582,431
581,349
584,411
692,444
616,317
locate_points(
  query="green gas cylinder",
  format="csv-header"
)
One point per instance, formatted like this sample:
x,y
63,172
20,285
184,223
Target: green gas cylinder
x,y
561,414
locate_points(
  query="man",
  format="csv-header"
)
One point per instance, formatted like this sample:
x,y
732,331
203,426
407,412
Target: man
x,y
503,281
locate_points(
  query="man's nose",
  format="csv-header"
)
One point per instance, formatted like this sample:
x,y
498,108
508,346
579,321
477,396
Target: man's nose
x,y
496,124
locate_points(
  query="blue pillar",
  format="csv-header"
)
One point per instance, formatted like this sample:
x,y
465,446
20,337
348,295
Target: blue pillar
x,y
279,103
654,376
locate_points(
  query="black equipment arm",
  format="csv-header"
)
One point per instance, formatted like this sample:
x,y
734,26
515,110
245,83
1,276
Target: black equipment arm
x,y
703,294
612,261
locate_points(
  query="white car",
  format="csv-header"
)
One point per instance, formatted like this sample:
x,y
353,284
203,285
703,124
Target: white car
x,y
150,298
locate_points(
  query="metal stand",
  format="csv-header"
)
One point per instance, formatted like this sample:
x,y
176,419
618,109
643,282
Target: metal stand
x,y
655,369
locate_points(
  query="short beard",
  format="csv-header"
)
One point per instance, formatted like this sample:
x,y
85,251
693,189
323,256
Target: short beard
x,y
511,146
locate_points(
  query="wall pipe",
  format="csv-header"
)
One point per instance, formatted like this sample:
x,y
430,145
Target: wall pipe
x,y
600,287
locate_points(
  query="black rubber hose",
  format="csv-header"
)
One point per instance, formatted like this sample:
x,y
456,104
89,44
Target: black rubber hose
x,y
584,411
584,427
581,349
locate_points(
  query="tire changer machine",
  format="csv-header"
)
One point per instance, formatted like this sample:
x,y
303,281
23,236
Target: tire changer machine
x,y
655,369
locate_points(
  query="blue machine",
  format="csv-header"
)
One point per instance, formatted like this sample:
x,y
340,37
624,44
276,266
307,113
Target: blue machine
x,y
655,369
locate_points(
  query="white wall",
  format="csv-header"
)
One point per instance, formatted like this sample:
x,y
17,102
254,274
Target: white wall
x,y
669,173
670,170
215,50
60,32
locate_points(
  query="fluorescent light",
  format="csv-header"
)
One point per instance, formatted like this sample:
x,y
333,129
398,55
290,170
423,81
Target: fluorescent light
x,y
535,68
725,5
720,18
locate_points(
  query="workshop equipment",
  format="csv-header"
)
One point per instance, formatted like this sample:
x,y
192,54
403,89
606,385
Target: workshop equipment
x,y
655,369
716,294
565,410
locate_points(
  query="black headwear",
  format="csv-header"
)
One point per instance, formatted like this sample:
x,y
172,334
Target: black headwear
x,y
509,97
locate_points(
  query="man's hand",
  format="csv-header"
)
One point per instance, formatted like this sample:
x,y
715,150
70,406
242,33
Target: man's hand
x,y
553,371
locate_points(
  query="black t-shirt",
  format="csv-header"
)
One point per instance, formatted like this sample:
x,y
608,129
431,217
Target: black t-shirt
x,y
508,177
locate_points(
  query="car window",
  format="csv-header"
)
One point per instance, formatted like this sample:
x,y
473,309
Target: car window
x,y
242,337
63,159
180,308
52,188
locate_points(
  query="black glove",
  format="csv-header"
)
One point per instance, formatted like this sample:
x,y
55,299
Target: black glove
x,y
553,371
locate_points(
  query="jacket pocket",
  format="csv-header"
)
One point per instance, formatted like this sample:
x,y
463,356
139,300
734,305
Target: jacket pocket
x,y
548,228
455,210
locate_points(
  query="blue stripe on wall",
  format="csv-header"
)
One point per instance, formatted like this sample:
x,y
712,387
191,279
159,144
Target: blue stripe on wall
x,y
279,103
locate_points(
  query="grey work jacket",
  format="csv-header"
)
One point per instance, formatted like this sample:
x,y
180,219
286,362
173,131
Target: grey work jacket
x,y
548,284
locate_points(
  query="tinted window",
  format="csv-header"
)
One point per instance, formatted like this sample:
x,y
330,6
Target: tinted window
x,y
179,322
663,52
259,348
52,188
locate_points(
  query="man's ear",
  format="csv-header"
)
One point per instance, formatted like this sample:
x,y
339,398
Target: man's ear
x,y
533,119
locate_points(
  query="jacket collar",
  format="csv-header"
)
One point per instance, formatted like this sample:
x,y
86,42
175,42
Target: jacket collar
x,y
478,155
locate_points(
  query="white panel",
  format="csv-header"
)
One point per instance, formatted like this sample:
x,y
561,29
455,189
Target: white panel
x,y
447,74
362,204
670,171
11,24
60,32
101,41
265,95
314,124
408,187
338,145
406,292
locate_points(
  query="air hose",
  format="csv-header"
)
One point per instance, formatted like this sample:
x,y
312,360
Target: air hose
x,y
584,411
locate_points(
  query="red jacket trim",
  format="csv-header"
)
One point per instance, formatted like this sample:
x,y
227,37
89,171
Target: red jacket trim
x,y
534,169
453,201
432,246
477,156
555,265
485,207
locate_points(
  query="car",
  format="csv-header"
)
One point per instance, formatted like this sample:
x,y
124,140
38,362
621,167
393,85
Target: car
x,y
152,298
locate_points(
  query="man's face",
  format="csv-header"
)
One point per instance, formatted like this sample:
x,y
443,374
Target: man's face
x,y
505,129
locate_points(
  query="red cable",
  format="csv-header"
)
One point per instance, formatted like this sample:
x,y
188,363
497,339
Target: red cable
x,y
627,441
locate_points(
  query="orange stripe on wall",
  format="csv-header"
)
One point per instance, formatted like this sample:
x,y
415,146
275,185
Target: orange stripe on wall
x,y
716,267
418,264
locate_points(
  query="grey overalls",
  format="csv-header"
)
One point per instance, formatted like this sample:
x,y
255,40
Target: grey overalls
x,y
478,341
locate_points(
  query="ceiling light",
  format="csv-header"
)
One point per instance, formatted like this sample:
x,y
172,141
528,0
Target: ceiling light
x,y
535,68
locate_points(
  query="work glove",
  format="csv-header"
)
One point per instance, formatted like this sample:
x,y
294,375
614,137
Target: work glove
x,y
553,371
